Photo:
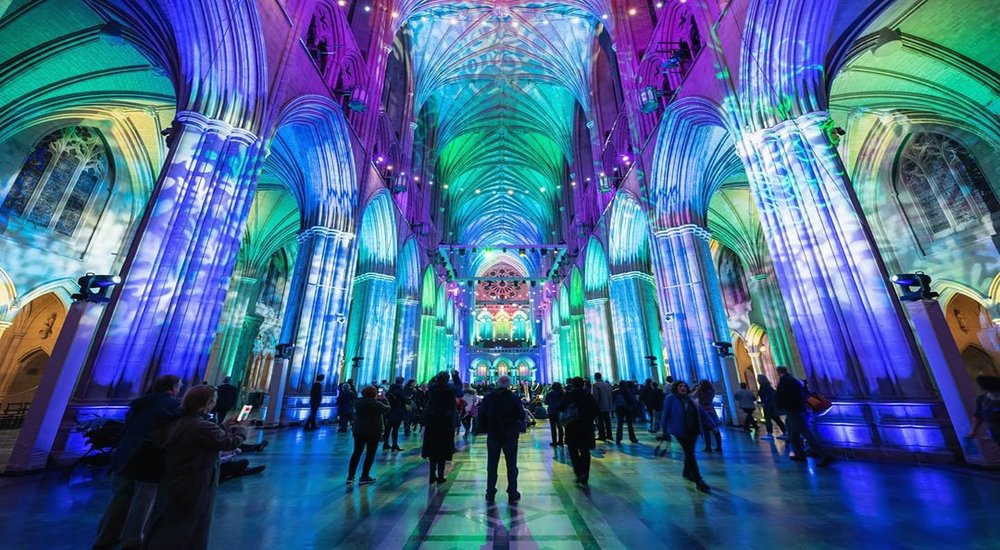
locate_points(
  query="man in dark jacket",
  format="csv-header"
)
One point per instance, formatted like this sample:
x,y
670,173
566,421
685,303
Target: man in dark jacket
x,y
132,500
315,399
579,409
501,416
346,399
398,403
791,397
225,400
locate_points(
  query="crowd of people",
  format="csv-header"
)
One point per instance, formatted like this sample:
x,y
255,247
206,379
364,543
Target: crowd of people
x,y
173,453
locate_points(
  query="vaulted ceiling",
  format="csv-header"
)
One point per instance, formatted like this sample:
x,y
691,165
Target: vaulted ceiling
x,y
497,87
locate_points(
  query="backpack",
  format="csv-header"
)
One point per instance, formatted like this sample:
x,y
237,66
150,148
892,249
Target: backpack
x,y
991,409
620,401
570,414
502,411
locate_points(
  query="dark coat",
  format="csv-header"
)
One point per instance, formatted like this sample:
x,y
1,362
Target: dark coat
x,y
316,395
346,400
225,398
682,416
398,403
369,417
439,424
552,400
627,404
182,515
501,413
656,397
766,394
580,432
145,415
790,395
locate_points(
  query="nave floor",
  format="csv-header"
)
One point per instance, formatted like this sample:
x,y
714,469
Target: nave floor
x,y
635,500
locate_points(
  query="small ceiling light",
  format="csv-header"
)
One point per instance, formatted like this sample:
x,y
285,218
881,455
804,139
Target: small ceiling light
x,y
368,8
632,11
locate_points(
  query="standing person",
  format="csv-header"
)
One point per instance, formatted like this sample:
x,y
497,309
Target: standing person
x,y
579,409
602,394
125,519
553,399
791,397
228,394
315,399
410,391
346,400
186,496
369,422
501,416
439,427
398,403
766,394
625,407
987,409
705,394
682,418
471,400
656,405
747,403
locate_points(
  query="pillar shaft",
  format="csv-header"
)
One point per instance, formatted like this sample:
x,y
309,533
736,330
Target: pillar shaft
x,y
373,319
407,319
164,315
851,333
599,339
231,329
637,334
766,299
316,315
426,351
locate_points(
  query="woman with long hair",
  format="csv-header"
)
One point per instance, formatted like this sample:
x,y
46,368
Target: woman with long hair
x,y
185,499
439,426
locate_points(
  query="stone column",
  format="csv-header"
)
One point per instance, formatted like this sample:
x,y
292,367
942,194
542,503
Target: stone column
x,y
316,314
373,319
691,307
851,332
636,333
566,349
766,299
407,317
426,348
852,336
230,335
597,312
163,316
576,322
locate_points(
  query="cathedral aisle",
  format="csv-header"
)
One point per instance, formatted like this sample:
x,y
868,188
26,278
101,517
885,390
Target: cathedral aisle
x,y
635,500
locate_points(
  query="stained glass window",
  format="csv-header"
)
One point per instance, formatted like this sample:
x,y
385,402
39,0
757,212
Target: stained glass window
x,y
59,179
947,188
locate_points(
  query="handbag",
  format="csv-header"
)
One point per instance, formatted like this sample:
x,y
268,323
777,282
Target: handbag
x,y
818,404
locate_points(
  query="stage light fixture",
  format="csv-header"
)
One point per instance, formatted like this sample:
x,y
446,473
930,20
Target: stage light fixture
x,y
915,286
94,288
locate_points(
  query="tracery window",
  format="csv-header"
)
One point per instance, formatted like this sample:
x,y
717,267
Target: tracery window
x,y
948,190
60,179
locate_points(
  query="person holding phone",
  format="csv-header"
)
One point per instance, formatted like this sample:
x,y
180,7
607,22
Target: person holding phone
x,y
369,423
185,500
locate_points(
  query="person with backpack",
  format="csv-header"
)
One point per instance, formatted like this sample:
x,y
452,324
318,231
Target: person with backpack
x,y
626,407
655,404
398,403
601,391
747,403
772,415
369,415
578,410
553,399
987,408
501,417
791,397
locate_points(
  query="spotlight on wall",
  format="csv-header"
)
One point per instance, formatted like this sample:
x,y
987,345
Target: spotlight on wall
x,y
649,99
723,349
283,351
915,286
95,288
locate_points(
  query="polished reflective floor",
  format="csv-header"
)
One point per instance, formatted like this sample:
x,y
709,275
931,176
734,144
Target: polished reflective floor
x,y
635,500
